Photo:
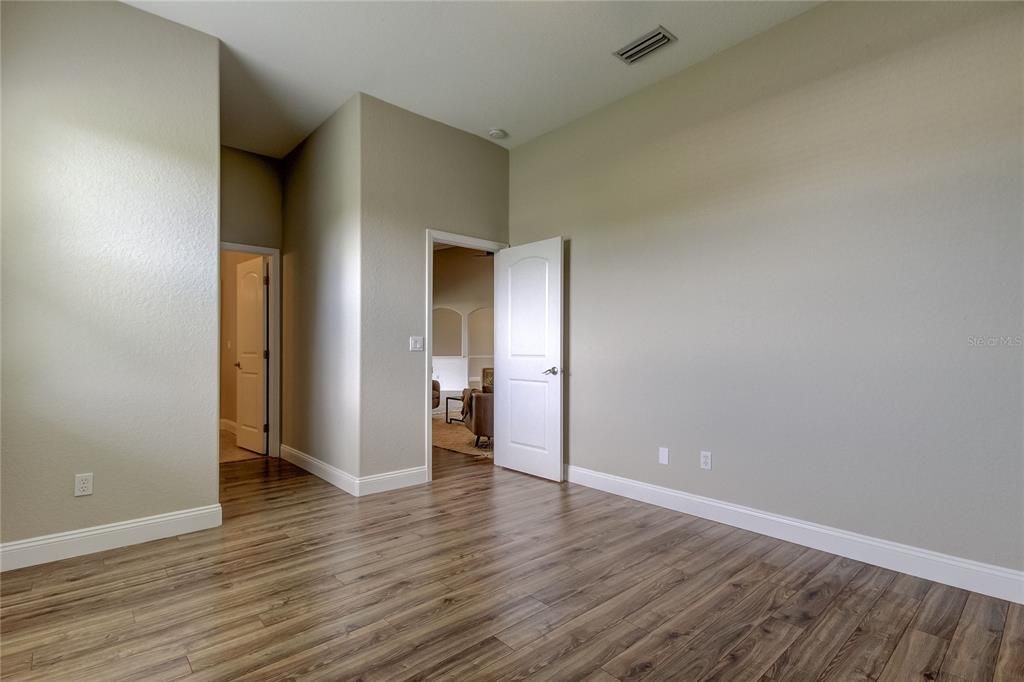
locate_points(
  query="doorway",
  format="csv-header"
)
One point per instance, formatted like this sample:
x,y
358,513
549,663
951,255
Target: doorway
x,y
459,346
249,358
527,372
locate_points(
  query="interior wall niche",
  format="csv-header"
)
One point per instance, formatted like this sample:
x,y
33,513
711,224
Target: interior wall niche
x,y
481,332
480,325
447,330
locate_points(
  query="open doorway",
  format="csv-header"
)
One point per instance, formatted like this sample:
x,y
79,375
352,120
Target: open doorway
x,y
460,347
526,369
249,338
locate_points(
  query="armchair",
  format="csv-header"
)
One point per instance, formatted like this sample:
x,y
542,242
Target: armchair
x,y
478,412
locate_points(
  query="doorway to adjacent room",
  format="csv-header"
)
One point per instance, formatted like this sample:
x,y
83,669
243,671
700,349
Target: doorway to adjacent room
x,y
249,338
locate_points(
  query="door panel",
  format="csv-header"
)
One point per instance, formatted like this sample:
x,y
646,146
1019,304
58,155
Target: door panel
x,y
528,358
250,363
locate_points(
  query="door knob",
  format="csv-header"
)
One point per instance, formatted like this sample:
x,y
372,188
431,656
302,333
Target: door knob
x,y
551,370
238,365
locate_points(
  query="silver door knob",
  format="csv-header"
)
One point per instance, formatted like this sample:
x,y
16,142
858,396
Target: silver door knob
x,y
552,371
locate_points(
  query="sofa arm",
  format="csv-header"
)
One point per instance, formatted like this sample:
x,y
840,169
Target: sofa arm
x,y
483,414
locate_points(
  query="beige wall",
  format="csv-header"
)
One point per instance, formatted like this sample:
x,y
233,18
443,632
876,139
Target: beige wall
x,y
417,174
464,281
250,199
229,260
447,331
360,194
786,250
321,293
110,177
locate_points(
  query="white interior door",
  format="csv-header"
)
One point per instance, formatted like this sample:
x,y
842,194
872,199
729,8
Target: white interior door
x,y
250,360
528,358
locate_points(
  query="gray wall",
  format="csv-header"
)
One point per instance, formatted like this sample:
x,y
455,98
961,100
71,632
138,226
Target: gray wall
x,y
360,194
110,176
250,199
321,292
417,174
782,254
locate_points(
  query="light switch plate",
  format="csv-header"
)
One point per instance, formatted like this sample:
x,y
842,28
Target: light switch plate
x,y
416,344
662,455
705,460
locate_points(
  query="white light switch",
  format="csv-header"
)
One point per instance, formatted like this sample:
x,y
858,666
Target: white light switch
x,y
416,344
662,455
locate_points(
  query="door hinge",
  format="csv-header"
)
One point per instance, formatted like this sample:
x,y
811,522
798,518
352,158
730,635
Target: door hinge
x,y
266,354
266,428
266,280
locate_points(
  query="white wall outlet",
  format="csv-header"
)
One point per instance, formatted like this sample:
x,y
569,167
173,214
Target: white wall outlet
x,y
662,455
705,459
415,344
83,484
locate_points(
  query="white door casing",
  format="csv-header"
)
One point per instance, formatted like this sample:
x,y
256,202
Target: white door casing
x,y
528,358
250,361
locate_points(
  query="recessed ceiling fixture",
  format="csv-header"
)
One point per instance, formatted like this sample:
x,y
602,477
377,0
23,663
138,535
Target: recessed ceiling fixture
x,y
645,45
497,134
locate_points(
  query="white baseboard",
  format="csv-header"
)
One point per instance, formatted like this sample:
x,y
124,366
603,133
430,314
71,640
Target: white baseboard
x,y
46,548
994,581
355,485
331,474
227,425
392,480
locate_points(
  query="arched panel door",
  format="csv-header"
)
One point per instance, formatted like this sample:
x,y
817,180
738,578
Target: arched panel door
x,y
528,358
250,356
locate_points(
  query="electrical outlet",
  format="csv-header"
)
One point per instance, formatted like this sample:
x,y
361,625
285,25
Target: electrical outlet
x,y
705,459
662,455
83,484
415,344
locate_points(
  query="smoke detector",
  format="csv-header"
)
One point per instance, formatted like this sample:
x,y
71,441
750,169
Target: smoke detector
x,y
645,45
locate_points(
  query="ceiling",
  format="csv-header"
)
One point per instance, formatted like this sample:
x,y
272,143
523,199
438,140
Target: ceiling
x,y
527,67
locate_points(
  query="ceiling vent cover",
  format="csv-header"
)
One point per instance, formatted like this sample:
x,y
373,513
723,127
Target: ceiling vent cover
x,y
645,45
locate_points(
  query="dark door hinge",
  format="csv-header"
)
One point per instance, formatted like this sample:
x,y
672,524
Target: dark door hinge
x,y
266,428
266,280
266,354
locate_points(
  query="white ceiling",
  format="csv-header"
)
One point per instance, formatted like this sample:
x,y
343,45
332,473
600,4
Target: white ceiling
x,y
528,67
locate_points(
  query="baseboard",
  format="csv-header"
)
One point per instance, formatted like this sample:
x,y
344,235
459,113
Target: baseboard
x,y
357,486
46,548
331,474
227,425
994,581
392,480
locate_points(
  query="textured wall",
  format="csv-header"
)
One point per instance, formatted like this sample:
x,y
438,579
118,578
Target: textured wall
x,y
110,177
416,174
250,199
785,251
321,293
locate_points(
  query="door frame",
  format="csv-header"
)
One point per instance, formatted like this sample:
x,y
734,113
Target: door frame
x,y
440,237
273,341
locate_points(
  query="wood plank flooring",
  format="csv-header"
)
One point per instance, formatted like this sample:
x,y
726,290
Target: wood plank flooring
x,y
485,575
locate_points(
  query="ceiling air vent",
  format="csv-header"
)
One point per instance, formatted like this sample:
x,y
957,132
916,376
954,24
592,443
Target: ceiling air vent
x,y
645,45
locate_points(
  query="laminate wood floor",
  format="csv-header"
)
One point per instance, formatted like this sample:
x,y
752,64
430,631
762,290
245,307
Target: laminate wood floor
x,y
485,575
